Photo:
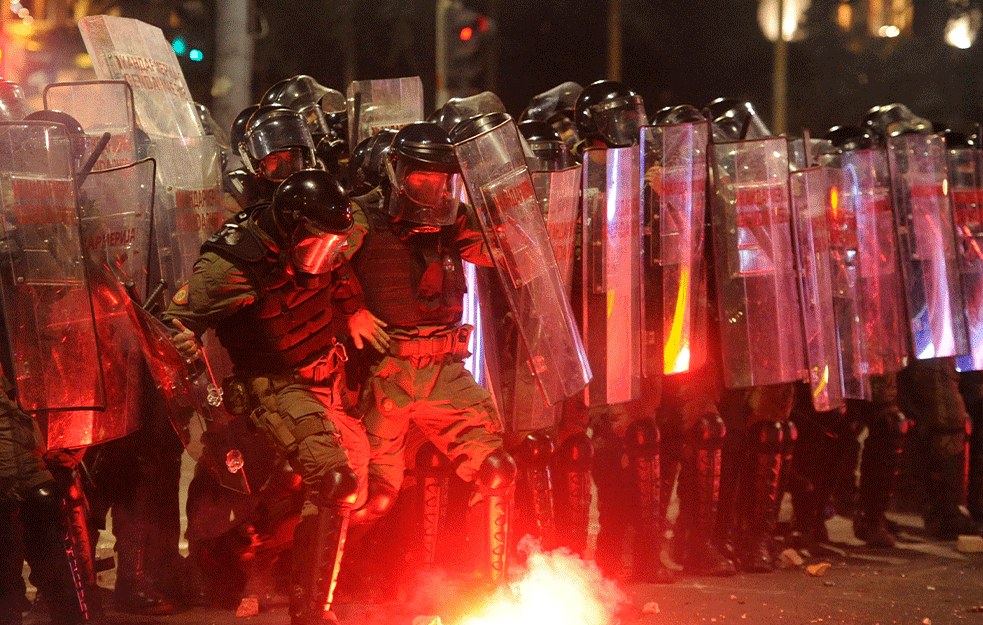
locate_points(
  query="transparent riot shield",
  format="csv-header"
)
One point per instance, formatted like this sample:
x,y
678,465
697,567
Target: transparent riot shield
x,y
194,400
673,171
189,203
116,211
926,244
100,106
375,105
866,191
612,283
47,306
503,197
558,193
966,183
760,322
130,50
844,264
810,192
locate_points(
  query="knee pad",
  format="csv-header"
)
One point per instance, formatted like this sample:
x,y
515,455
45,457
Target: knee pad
x,y
790,433
576,453
889,421
381,498
642,439
535,450
497,471
339,487
766,436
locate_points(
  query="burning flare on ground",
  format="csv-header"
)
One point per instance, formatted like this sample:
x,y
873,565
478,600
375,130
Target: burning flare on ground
x,y
553,587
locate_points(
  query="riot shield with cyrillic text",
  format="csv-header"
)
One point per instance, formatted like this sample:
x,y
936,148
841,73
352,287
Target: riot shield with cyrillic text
x,y
760,322
375,105
966,183
100,106
558,193
810,192
927,247
674,213
47,306
504,199
189,204
844,263
612,281
116,211
866,191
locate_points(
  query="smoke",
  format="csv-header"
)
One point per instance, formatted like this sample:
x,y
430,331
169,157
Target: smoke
x,y
554,587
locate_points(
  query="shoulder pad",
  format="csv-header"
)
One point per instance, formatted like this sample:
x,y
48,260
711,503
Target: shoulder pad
x,y
236,240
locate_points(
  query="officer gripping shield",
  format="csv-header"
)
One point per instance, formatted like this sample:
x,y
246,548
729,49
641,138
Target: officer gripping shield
x,y
501,190
674,212
760,322
612,281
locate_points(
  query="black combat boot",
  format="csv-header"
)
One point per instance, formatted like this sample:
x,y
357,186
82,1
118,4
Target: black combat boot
x,y
642,446
879,464
760,492
699,491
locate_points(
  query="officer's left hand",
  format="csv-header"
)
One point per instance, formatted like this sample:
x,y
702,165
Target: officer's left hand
x,y
363,325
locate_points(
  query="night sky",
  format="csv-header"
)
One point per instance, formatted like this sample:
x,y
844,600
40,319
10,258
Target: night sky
x,y
675,51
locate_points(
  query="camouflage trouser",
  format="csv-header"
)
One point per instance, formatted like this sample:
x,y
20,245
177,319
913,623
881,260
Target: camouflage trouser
x,y
307,424
441,398
21,465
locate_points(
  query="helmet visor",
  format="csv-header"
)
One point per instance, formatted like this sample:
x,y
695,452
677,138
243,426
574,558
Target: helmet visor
x,y
277,166
315,251
278,134
425,196
620,121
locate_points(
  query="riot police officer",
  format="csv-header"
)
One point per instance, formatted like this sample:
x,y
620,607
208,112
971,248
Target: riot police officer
x,y
289,368
410,266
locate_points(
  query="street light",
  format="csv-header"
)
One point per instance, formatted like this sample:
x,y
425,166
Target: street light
x,y
963,24
793,14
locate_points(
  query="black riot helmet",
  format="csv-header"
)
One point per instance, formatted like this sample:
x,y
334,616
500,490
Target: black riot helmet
x,y
559,101
13,102
557,107
279,142
892,120
850,138
548,149
425,177
302,94
955,139
334,108
81,142
457,110
679,114
476,125
611,112
735,120
312,212
367,165
237,136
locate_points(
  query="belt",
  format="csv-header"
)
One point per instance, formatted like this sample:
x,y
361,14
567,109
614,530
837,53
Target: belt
x,y
454,341
316,372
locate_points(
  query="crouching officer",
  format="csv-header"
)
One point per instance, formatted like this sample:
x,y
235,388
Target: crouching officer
x,y
277,290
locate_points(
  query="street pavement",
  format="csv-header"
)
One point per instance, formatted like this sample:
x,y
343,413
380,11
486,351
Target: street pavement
x,y
919,582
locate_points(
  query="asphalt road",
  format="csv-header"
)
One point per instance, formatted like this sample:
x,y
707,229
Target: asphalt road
x,y
920,582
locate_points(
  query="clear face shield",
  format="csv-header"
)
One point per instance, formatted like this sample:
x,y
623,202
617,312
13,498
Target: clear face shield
x,y
315,251
424,196
280,134
620,120
277,166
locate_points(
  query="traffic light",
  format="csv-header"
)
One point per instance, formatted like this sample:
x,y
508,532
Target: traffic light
x,y
190,33
469,36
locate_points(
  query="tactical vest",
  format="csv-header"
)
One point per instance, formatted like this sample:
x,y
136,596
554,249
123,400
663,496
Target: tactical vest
x,y
414,281
289,325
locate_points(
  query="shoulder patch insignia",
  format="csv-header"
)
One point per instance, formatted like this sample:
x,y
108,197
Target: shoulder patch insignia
x,y
181,296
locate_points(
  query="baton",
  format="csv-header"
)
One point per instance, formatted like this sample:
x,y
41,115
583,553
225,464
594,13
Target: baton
x,y
91,161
